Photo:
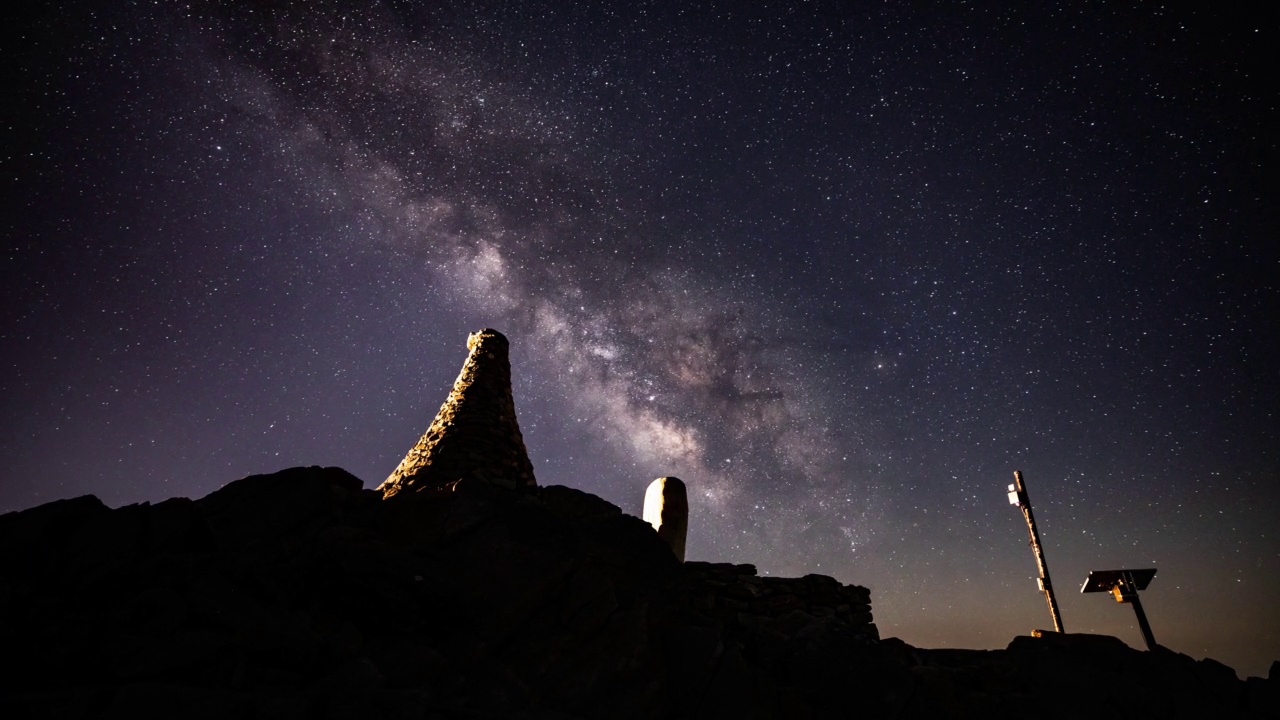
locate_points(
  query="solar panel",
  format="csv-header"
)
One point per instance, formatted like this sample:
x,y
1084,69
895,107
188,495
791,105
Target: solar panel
x,y
1105,580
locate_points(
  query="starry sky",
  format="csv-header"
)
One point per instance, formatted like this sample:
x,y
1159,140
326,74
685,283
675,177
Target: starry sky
x,y
842,267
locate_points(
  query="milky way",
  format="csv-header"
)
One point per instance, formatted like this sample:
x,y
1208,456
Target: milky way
x,y
840,271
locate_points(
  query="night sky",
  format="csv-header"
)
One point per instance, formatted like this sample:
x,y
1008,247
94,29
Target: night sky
x,y
842,267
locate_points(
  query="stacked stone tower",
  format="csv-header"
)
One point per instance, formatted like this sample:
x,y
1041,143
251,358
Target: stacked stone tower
x,y
475,434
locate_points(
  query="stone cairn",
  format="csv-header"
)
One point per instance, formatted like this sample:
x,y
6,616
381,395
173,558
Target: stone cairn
x,y
475,435
666,508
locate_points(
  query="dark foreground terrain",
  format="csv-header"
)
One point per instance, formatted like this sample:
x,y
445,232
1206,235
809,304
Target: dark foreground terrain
x,y
302,595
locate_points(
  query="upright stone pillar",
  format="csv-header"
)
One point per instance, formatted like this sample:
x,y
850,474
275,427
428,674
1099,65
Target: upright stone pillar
x,y
666,508
475,434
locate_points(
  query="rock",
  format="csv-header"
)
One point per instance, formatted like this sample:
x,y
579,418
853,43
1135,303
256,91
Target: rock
x,y
176,524
666,508
575,505
1262,697
29,539
173,700
261,510
587,600
540,602
168,654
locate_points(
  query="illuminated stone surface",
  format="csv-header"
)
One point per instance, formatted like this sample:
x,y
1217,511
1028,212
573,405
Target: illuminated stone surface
x,y
666,508
475,434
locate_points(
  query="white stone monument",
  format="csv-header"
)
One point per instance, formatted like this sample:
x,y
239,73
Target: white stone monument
x,y
666,508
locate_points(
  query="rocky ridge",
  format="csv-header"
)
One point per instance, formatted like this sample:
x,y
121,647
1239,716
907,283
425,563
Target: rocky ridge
x,y
301,594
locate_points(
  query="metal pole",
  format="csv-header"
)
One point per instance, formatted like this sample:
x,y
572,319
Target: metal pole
x,y
1025,503
1131,597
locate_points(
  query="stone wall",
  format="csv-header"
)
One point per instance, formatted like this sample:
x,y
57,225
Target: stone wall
x,y
792,607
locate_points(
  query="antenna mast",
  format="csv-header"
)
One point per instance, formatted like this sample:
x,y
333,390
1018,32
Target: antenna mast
x,y
1018,496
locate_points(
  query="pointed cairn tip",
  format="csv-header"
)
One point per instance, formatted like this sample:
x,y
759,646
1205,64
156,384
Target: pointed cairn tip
x,y
666,508
486,336
475,435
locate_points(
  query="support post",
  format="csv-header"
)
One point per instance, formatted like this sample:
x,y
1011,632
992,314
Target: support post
x,y
1127,592
1124,586
1018,496
1142,623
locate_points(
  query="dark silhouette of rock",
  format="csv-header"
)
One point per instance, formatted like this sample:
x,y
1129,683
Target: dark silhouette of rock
x,y
666,508
475,435
461,589
299,594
